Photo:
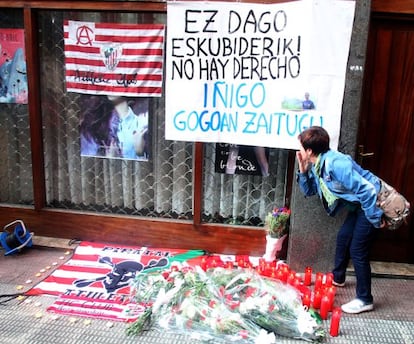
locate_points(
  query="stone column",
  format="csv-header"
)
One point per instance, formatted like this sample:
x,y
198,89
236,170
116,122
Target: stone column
x,y
312,235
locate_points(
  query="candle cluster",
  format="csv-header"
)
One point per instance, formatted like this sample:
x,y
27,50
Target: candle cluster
x,y
322,297
318,293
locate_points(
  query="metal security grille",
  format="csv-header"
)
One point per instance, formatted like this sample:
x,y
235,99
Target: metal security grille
x,y
158,187
243,199
15,153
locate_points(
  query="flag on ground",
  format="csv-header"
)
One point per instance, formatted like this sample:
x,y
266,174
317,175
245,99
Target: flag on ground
x,y
95,282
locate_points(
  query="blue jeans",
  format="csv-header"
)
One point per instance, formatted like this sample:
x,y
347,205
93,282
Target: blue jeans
x,y
354,242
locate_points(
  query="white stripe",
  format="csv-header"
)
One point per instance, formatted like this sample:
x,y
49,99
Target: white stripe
x,y
123,58
129,32
90,250
87,263
77,274
125,45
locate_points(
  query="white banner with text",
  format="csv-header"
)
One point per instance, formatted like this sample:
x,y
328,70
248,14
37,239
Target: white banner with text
x,y
256,74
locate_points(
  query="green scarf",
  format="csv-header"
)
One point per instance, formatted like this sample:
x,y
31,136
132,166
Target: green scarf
x,y
330,198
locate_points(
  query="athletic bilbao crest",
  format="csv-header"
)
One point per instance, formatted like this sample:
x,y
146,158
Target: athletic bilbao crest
x,y
111,55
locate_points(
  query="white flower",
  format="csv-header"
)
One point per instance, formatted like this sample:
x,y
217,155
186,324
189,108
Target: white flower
x,y
248,305
188,309
265,338
264,302
235,317
164,322
305,322
164,298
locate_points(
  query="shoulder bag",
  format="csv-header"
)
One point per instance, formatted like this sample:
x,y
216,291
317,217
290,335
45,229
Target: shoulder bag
x,y
394,205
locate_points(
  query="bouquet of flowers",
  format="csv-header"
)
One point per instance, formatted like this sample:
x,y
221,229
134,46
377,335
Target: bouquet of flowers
x,y
223,305
276,222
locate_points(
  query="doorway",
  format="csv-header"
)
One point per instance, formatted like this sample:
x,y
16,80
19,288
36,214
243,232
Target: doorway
x,y
386,131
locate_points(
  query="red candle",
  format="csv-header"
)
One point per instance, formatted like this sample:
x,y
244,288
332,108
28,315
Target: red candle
x,y
308,276
336,317
297,282
325,304
204,263
328,279
291,278
262,264
331,291
318,280
280,274
213,262
317,299
306,300
284,274
240,262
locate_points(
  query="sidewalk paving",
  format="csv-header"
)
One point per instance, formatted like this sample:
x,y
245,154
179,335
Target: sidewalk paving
x,y
24,321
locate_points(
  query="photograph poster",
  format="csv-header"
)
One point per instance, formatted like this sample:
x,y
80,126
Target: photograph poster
x,y
114,127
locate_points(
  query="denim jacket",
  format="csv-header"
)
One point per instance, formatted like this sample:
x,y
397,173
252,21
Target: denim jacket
x,y
346,180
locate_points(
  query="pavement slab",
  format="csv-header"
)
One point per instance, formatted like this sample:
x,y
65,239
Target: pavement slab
x,y
25,320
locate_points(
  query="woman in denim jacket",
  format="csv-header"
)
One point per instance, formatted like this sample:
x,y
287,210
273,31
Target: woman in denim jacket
x,y
341,183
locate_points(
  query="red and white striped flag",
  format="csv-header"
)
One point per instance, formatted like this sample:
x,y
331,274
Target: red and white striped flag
x,y
96,281
114,59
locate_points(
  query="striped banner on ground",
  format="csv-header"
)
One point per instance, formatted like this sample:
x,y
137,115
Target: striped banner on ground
x,y
95,282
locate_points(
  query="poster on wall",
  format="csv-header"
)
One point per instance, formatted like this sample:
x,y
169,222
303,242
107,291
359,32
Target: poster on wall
x,y
114,127
13,78
256,75
246,160
114,59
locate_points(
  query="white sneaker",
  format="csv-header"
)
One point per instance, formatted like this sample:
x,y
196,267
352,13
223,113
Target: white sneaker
x,y
336,284
357,306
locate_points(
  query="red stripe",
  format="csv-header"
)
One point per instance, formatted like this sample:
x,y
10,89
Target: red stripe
x,y
39,291
86,257
121,64
146,90
144,52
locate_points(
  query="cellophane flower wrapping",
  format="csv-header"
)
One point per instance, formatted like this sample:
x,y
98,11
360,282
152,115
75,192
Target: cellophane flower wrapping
x,y
223,305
